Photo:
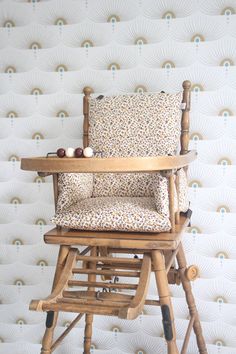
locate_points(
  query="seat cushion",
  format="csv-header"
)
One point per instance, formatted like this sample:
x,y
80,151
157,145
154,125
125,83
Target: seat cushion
x,y
136,214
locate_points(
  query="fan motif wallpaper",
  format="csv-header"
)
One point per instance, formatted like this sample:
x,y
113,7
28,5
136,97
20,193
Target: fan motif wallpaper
x,y
50,50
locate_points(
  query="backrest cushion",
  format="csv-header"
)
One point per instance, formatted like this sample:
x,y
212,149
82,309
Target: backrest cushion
x,y
133,125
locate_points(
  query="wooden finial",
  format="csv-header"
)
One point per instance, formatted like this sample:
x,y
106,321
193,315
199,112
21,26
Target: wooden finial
x,y
87,90
186,85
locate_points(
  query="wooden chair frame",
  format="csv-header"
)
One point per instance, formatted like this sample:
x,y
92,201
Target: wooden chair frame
x,y
158,250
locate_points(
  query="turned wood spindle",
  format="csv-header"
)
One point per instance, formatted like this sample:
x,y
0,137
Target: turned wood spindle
x,y
184,139
87,92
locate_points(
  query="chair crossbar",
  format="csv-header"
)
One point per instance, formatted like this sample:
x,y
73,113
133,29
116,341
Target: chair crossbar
x,y
102,285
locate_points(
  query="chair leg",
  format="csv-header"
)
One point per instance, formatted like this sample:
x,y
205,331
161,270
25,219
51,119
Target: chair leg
x,y
165,301
52,316
48,335
88,333
190,301
89,317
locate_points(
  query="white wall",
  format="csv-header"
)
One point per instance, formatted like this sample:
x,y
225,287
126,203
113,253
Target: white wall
x,y
198,44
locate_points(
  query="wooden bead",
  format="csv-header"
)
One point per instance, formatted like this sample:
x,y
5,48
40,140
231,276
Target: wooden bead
x,y
78,152
70,152
61,152
88,152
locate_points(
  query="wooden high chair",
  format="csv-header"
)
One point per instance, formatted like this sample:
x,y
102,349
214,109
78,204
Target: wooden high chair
x,y
105,250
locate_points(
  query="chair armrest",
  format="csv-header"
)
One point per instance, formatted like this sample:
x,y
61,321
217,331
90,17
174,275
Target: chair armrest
x,y
110,164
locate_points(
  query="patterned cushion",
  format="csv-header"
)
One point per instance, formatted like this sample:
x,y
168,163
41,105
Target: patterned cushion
x,y
123,126
183,191
73,187
133,125
160,188
114,213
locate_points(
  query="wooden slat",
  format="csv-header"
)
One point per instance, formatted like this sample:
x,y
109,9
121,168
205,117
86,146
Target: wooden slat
x,y
108,260
106,311
102,285
110,164
85,294
104,295
171,245
93,302
164,236
127,251
106,272
121,266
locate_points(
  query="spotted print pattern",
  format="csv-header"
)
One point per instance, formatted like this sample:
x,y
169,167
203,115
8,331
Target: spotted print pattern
x,y
160,189
125,126
133,125
73,187
114,213
183,191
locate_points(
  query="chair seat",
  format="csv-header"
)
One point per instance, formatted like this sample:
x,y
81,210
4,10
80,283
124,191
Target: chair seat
x,y
114,213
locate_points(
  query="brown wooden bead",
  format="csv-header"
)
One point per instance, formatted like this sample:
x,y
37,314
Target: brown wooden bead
x,y
78,152
61,152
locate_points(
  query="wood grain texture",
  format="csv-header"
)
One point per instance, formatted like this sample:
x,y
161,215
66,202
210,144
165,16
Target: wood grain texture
x,y
164,295
135,307
181,259
172,201
87,92
184,139
111,164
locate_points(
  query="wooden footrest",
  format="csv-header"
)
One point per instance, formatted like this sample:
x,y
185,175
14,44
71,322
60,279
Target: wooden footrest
x,y
100,297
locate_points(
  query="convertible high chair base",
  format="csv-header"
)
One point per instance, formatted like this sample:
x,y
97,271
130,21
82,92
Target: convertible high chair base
x,y
102,272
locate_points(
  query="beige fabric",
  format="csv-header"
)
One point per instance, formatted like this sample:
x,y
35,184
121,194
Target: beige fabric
x,y
133,125
161,194
125,125
122,185
183,191
114,213
73,187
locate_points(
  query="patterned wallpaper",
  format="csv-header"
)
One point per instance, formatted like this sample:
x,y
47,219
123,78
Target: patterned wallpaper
x,y
50,50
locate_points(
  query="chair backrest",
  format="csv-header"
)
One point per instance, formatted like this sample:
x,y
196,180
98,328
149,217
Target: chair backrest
x,y
149,124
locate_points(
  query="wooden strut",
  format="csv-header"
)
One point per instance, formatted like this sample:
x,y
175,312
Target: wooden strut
x,y
165,301
67,331
48,335
89,316
190,301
